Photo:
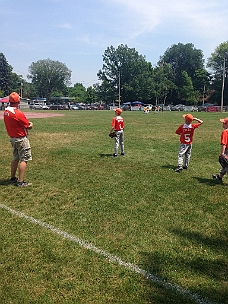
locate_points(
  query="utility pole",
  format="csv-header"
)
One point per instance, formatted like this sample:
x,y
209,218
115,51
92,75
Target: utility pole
x,y
21,90
203,93
223,83
223,80
119,89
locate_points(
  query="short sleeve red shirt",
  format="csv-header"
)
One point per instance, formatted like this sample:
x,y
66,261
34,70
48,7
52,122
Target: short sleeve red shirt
x,y
224,138
118,123
15,122
186,133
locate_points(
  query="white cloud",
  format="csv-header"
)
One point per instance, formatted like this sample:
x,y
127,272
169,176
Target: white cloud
x,y
201,17
66,26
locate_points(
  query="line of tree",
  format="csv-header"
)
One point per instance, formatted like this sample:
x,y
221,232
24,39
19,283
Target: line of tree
x,y
180,76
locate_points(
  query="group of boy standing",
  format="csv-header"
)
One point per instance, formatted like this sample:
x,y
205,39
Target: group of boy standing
x,y
185,131
17,126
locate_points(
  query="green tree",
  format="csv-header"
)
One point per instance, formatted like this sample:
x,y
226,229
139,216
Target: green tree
x,y
182,57
187,92
126,72
48,76
17,83
5,75
163,82
218,64
105,92
29,90
202,84
216,60
200,79
78,91
91,95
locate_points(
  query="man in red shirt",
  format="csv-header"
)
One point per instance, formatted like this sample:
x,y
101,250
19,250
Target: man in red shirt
x,y
118,127
17,126
224,148
186,132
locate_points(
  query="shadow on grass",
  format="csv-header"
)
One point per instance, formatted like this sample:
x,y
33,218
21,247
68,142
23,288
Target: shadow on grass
x,y
207,181
198,265
219,243
216,268
106,155
157,294
156,263
6,182
169,167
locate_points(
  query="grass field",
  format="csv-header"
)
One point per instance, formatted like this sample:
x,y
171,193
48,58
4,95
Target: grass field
x,y
135,210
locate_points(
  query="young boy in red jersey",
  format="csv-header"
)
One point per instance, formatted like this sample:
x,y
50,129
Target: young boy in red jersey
x,y
224,148
17,126
186,132
118,127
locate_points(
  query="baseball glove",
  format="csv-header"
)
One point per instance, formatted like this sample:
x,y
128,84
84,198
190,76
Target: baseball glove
x,y
223,160
112,134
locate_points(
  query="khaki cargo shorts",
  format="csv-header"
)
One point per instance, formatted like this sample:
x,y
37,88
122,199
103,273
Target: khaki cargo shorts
x,y
21,149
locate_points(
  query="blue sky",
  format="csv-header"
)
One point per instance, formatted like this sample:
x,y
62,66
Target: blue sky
x,y
77,32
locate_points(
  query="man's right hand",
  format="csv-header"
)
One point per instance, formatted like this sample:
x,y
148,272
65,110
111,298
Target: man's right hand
x,y
30,125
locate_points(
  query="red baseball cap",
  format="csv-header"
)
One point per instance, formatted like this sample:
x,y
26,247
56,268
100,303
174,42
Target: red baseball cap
x,y
14,98
225,120
188,117
118,110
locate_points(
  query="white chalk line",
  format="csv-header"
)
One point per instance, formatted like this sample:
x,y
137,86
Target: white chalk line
x,y
111,258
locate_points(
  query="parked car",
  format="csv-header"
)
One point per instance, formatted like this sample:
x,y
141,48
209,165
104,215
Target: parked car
x,y
55,107
191,108
92,107
178,107
100,107
203,108
126,107
194,109
169,107
35,106
45,107
82,107
74,107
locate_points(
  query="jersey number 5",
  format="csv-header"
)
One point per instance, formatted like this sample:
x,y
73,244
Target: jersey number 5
x,y
187,137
